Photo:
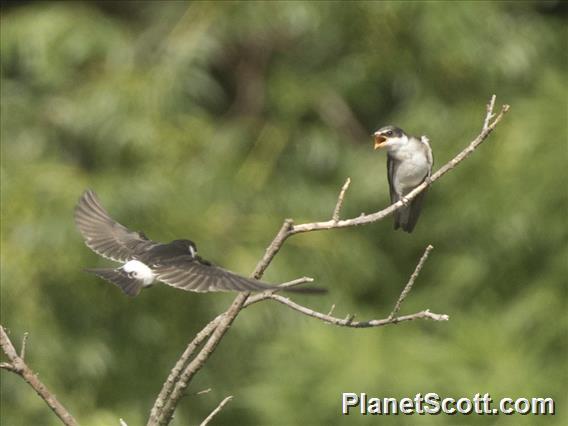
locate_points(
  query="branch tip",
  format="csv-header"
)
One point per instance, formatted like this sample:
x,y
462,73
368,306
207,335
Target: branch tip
x,y
293,283
331,309
23,348
216,410
340,198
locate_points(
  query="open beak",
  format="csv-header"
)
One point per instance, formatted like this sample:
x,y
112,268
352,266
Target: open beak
x,y
379,140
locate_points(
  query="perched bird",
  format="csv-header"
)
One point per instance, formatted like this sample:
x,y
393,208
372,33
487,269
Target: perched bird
x,y
409,163
146,261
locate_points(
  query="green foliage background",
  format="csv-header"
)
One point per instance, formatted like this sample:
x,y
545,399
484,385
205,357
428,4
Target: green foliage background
x,y
215,121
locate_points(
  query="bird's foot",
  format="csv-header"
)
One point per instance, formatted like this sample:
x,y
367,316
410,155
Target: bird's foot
x,y
405,201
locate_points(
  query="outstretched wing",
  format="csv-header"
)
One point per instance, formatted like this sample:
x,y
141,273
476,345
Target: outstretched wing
x,y
191,274
104,235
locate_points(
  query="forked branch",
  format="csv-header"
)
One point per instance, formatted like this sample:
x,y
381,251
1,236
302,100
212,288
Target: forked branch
x,y
187,366
17,365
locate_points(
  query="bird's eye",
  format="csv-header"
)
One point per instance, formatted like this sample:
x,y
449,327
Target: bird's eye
x,y
389,133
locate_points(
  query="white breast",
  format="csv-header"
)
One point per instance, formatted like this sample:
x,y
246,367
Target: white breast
x,y
414,166
140,271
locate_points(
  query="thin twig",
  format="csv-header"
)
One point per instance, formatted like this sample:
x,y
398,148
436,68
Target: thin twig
x,y
349,322
19,367
490,114
294,283
216,410
273,248
339,204
331,309
410,282
348,319
23,348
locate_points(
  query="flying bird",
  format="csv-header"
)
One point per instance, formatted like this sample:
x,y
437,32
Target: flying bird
x,y
145,261
409,163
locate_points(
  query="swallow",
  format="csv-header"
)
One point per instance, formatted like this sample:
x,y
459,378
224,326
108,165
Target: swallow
x,y
409,163
145,261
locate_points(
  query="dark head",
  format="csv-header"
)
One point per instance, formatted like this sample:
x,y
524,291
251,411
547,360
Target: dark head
x,y
389,136
185,246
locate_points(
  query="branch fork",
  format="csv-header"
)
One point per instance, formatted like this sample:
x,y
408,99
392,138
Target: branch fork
x,y
17,366
168,399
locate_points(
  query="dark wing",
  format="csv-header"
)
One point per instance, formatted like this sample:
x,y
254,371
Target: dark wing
x,y
400,214
104,235
392,164
412,212
190,274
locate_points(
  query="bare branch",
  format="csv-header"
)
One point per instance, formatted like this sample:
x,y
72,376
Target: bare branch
x,y
489,114
216,410
410,282
181,364
273,248
184,370
165,403
7,347
183,361
364,219
164,416
348,321
19,367
339,204
294,283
